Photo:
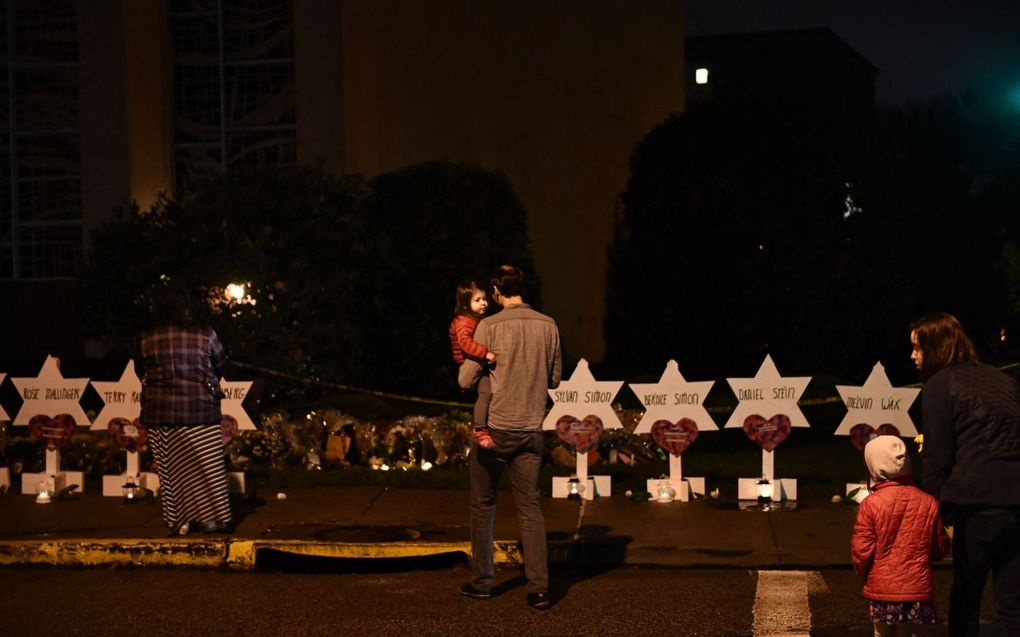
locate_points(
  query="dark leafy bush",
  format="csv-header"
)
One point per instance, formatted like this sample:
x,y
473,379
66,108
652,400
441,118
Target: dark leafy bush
x,y
347,281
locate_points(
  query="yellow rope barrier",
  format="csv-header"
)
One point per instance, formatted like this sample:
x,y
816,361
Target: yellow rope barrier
x,y
449,403
349,388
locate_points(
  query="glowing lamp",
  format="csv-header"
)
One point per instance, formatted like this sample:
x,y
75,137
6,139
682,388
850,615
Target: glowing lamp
x,y
130,490
665,492
764,492
235,291
44,492
575,489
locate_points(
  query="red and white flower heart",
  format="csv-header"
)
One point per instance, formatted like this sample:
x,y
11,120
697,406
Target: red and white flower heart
x,y
861,433
53,431
582,435
674,437
129,434
767,433
228,428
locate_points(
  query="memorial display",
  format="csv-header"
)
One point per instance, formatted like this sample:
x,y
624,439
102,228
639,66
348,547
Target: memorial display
x,y
582,409
767,411
52,412
674,415
876,408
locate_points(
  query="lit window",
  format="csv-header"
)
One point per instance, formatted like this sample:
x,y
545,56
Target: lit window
x,y
701,76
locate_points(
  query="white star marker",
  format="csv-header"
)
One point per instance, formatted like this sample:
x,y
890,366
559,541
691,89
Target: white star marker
x,y
235,391
876,403
49,394
582,396
121,399
673,398
768,394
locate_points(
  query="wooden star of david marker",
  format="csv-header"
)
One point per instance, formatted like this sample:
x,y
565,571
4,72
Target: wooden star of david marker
x,y
877,403
582,396
580,401
121,399
235,391
49,394
673,398
674,415
768,394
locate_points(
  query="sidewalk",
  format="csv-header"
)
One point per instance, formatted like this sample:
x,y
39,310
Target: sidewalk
x,y
373,522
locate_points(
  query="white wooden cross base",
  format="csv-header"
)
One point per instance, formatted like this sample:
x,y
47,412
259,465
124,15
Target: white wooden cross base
x,y
593,485
685,488
113,485
780,488
5,477
60,479
235,480
861,494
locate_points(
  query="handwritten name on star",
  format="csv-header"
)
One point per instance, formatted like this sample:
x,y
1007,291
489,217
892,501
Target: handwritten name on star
x,y
50,394
877,403
673,398
868,402
588,397
772,393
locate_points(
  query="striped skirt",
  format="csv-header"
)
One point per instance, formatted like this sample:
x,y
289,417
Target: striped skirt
x,y
192,474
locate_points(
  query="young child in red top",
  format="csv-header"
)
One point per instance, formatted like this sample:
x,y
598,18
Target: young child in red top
x,y
470,308
897,536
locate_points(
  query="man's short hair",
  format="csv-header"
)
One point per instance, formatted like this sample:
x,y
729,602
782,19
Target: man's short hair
x,y
509,280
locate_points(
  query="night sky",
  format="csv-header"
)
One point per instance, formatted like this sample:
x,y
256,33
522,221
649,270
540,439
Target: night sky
x,y
922,48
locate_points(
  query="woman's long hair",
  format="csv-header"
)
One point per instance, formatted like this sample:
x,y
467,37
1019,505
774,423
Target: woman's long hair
x,y
171,306
943,343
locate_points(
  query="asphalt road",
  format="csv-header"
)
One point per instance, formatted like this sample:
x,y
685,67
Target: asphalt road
x,y
620,601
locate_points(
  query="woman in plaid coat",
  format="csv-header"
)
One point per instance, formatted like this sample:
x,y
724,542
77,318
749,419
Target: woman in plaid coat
x,y
180,365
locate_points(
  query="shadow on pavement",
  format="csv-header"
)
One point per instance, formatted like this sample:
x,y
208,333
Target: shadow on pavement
x,y
594,551
271,560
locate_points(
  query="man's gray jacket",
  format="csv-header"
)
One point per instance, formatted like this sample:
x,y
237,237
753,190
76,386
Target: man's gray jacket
x,y
528,363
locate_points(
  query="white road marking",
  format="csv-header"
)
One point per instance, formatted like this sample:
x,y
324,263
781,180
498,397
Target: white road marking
x,y
781,604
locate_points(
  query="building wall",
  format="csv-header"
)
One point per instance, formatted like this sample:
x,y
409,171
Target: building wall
x,y
125,127
125,105
553,94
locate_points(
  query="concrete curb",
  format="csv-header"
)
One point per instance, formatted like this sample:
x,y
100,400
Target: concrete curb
x,y
235,554
198,553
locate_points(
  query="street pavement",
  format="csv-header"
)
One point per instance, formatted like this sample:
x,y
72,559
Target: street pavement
x,y
387,523
797,554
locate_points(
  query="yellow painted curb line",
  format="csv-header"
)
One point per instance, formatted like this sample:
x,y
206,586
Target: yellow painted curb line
x,y
234,554
241,553
202,553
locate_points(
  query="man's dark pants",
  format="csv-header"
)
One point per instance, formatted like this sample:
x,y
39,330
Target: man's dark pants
x,y
521,453
985,539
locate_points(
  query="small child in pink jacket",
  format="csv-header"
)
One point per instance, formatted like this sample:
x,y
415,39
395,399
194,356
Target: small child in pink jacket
x,y
469,309
897,536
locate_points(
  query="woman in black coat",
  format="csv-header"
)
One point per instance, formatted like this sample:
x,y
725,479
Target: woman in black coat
x,y
971,456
